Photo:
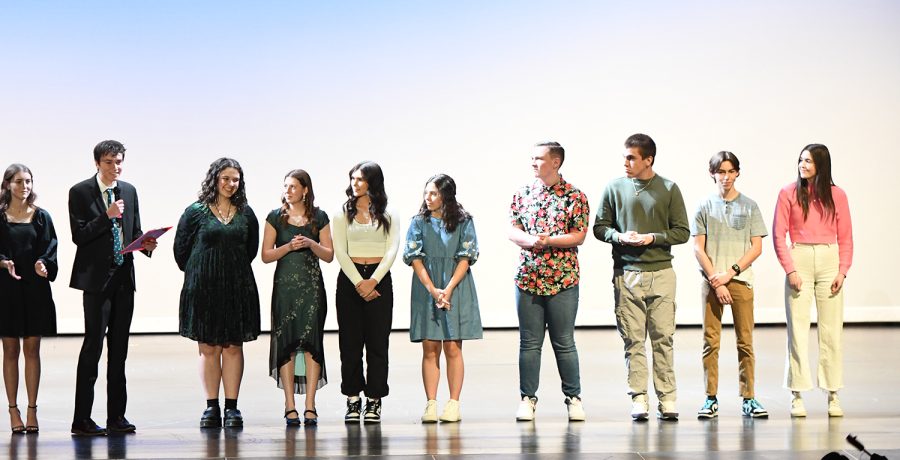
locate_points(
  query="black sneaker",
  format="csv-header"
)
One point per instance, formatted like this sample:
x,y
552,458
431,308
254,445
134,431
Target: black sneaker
x,y
373,410
354,407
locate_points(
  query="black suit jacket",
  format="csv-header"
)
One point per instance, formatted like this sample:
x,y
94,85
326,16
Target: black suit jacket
x,y
92,233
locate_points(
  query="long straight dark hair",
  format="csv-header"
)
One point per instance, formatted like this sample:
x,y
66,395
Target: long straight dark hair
x,y
452,212
308,200
6,193
821,182
373,176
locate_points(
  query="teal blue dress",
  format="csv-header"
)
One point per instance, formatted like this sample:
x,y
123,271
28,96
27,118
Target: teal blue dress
x,y
298,303
219,300
439,250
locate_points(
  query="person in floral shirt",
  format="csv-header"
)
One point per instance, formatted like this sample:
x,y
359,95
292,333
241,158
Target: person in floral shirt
x,y
549,220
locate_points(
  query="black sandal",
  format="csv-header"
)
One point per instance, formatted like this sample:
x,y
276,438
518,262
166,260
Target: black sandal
x,y
29,429
21,428
291,421
310,421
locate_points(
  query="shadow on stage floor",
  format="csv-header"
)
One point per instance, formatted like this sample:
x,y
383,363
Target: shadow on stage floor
x,y
165,402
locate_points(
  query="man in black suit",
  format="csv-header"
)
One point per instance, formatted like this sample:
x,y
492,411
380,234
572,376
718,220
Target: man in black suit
x,y
105,217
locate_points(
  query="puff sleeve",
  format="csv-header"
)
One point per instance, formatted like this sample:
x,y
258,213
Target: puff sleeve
x,y
415,243
468,241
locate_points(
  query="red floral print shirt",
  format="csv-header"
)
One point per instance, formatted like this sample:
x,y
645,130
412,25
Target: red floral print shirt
x,y
555,210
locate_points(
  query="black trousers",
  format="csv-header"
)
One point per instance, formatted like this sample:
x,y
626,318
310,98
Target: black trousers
x,y
107,313
364,324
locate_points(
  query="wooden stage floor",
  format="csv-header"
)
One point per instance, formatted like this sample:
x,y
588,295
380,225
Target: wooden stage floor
x,y
165,402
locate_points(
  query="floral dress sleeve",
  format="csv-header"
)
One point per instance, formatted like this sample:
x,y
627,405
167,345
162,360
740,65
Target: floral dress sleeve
x,y
468,241
415,244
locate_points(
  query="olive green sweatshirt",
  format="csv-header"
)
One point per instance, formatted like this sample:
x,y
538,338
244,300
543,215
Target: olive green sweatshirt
x,y
653,206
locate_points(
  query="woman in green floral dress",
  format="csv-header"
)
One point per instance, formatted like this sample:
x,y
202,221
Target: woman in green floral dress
x,y
297,236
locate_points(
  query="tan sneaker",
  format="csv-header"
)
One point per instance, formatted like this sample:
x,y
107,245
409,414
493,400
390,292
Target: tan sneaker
x,y
834,405
430,415
451,412
797,407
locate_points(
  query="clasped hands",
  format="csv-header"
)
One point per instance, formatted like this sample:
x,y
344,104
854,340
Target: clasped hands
x,y
718,282
366,289
633,238
39,268
541,241
441,297
301,242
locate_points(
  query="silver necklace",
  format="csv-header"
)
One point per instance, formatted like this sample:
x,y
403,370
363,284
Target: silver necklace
x,y
224,218
638,192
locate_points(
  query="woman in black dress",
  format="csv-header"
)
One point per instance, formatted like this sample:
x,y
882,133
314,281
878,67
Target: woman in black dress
x,y
217,237
28,262
297,235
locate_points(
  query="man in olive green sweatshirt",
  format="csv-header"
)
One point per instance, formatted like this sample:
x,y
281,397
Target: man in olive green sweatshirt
x,y
642,215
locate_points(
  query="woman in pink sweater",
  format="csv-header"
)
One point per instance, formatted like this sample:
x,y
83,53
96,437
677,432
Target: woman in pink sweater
x,y
815,214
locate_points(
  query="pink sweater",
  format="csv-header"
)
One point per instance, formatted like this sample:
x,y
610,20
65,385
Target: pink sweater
x,y
816,229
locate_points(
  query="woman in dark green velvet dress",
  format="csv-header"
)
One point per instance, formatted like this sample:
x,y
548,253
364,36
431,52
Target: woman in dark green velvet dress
x,y
297,235
217,237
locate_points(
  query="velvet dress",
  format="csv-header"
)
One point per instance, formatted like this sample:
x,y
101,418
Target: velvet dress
x,y
219,300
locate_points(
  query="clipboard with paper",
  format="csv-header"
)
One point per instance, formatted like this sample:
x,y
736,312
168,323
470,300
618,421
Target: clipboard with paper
x,y
138,243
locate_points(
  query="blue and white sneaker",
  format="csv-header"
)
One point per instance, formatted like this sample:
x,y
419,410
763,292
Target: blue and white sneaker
x,y
709,410
752,408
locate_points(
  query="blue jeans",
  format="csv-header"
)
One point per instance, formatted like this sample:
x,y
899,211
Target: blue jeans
x,y
556,313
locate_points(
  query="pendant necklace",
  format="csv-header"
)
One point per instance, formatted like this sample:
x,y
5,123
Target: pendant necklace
x,y
224,218
638,192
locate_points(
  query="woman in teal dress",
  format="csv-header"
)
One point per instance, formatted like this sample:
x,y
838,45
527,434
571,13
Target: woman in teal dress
x,y
297,236
440,246
217,237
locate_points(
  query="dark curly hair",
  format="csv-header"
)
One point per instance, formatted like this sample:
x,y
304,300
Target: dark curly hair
x,y
309,199
821,182
209,191
6,194
373,176
452,212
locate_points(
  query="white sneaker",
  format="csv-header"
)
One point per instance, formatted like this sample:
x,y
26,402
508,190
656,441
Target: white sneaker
x,y
666,411
451,412
797,407
834,405
430,415
640,408
576,409
525,413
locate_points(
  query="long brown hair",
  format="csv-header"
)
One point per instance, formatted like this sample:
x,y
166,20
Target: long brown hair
x,y
308,200
821,182
6,194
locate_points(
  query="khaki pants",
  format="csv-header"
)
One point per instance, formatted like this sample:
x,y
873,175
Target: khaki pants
x,y
645,306
817,265
742,313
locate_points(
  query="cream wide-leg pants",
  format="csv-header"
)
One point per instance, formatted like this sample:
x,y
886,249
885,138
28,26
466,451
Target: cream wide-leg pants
x,y
817,265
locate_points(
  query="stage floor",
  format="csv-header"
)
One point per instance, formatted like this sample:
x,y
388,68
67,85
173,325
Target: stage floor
x,y
165,402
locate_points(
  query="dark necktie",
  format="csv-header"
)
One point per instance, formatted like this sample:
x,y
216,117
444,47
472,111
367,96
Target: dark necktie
x,y
117,235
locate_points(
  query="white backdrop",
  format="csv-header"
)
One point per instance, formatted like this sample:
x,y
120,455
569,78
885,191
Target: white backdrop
x,y
464,89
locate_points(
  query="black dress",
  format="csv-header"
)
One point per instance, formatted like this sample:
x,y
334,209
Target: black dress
x,y
26,305
219,300
298,304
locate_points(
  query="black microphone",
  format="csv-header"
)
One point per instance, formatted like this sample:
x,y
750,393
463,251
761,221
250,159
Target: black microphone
x,y
116,194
